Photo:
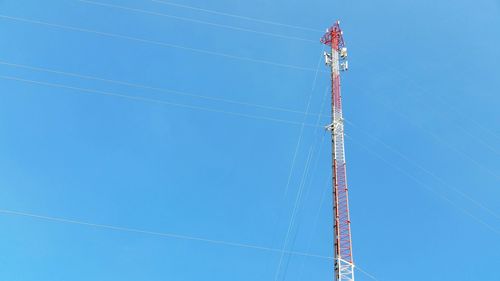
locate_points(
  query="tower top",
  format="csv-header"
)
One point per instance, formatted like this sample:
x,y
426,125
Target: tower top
x,y
334,37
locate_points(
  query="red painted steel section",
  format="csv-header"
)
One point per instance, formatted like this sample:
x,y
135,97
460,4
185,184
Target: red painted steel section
x,y
333,37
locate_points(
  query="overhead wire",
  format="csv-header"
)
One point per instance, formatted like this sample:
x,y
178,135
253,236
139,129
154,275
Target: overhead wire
x,y
314,170
294,213
125,8
315,224
440,139
447,106
301,183
469,118
302,128
459,125
155,233
371,276
144,99
300,138
461,193
434,136
425,170
158,89
323,195
215,12
158,43
424,185
304,184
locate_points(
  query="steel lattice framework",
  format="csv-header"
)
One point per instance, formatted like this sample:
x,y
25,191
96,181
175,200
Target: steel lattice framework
x,y
337,60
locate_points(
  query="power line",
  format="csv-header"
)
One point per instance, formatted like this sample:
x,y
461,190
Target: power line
x,y
158,43
439,139
447,106
294,212
112,94
304,180
198,21
298,144
365,273
426,186
164,90
302,127
315,224
156,233
414,163
469,117
304,176
305,183
464,195
436,137
237,16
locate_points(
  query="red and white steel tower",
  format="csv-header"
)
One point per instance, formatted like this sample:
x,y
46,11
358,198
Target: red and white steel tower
x,y
337,60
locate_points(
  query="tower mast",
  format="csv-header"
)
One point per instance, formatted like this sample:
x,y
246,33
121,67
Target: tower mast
x,y
336,60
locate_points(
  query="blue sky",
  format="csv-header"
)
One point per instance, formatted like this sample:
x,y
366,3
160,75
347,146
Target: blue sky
x,y
150,141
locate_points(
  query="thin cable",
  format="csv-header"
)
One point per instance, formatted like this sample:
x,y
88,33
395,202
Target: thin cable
x,y
140,86
464,195
198,21
470,118
323,195
426,186
321,129
314,168
237,16
465,130
446,105
158,43
414,163
304,183
438,138
156,233
112,94
365,273
302,127
294,212
303,179
442,141
315,224
324,191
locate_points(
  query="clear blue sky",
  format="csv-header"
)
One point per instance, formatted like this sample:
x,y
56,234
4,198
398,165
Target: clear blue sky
x,y
421,102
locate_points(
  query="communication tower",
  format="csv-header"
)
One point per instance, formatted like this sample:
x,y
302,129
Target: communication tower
x,y
336,59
